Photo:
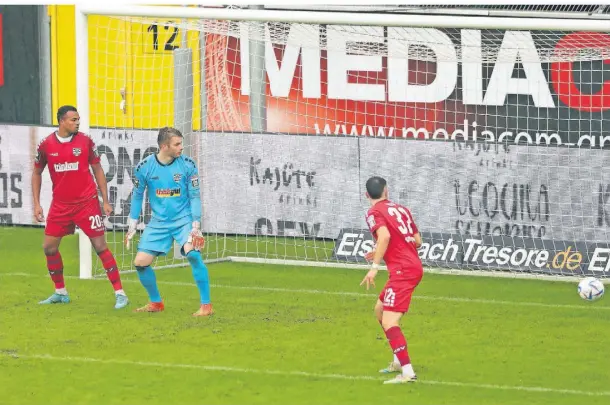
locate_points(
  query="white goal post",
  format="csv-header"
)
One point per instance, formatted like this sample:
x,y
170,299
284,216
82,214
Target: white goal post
x,y
490,128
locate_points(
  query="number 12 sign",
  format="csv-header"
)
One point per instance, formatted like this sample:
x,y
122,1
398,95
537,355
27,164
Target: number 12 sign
x,y
161,37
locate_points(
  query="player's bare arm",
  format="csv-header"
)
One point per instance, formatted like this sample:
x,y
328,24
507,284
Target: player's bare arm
x,y
100,179
418,240
371,255
383,240
36,185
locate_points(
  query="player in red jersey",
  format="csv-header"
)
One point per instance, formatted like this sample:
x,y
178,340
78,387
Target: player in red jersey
x,y
397,239
68,155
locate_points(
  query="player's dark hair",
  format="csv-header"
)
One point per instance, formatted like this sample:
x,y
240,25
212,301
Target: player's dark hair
x,y
166,134
63,110
375,186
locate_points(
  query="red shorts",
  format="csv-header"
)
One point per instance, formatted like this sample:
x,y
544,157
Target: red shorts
x,y
396,295
63,218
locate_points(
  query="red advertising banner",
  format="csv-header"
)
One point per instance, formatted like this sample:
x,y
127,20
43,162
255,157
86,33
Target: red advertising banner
x,y
481,85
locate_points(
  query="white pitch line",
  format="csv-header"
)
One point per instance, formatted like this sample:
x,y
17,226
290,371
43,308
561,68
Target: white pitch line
x,y
296,373
591,307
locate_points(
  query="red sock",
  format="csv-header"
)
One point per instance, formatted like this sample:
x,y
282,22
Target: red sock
x,y
112,270
398,343
56,270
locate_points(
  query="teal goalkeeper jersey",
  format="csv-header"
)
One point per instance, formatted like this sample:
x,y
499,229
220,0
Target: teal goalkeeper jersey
x,y
173,191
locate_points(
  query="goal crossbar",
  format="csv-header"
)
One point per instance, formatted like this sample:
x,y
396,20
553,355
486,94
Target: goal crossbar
x,y
346,18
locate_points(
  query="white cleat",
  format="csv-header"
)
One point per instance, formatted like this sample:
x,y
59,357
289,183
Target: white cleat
x,y
392,368
401,379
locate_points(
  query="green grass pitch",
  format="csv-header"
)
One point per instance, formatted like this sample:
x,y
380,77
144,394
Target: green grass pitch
x,y
292,335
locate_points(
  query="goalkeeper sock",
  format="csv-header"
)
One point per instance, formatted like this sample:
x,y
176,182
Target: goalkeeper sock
x,y
112,270
56,270
200,274
398,343
149,281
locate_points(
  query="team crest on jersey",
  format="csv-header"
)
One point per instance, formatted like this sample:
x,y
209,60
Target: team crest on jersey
x,y
177,177
76,151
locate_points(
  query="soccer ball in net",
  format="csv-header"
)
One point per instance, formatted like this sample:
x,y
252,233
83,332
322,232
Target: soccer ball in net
x,y
590,289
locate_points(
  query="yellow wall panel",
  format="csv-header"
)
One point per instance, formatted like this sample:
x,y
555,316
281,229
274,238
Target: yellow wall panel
x,y
63,58
109,66
153,71
131,58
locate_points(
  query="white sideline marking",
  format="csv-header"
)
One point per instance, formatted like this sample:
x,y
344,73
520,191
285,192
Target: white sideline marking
x,y
591,307
427,269
294,373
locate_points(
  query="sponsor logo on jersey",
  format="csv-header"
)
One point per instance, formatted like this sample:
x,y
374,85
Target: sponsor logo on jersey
x,y
76,151
66,167
168,192
195,181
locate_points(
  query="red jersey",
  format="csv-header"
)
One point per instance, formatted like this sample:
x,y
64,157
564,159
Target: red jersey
x,y
69,167
401,257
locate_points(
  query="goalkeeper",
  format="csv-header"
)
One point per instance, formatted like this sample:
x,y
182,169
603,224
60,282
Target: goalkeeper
x,y
173,192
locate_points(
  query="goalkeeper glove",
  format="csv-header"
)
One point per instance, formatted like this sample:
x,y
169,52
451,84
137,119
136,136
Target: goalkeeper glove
x,y
131,231
196,237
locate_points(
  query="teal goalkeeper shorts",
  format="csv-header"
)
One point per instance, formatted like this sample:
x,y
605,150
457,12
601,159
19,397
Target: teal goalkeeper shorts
x,y
157,238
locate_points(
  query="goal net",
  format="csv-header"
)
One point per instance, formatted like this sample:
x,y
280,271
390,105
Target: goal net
x,y
494,138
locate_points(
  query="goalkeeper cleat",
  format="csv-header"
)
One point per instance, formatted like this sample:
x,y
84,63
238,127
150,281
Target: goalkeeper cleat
x,y
401,379
204,310
56,299
392,368
121,301
152,307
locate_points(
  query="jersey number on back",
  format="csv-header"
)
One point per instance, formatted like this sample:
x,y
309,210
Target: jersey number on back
x,y
404,228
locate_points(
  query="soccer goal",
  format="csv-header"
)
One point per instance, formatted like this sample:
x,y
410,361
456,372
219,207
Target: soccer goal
x,y
492,130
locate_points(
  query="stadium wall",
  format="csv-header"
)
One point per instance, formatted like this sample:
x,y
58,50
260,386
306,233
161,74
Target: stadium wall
x,y
549,215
